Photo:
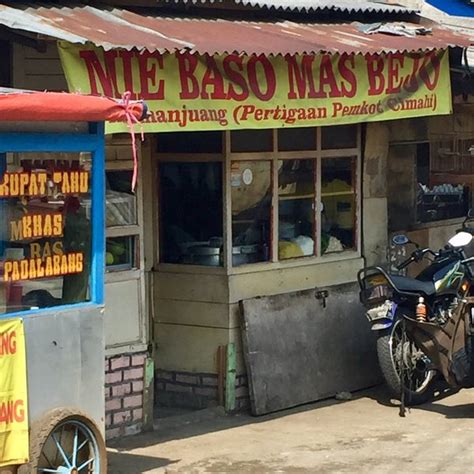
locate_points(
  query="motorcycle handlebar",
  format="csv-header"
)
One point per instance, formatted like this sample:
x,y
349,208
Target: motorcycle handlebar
x,y
405,263
416,256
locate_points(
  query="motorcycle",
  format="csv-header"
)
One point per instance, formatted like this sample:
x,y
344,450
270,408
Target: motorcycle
x,y
425,325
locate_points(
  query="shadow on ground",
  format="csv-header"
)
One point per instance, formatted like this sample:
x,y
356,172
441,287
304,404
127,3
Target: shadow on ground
x,y
215,419
126,463
381,395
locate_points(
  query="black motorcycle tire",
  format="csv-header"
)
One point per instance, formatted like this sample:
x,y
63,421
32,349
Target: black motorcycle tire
x,y
391,376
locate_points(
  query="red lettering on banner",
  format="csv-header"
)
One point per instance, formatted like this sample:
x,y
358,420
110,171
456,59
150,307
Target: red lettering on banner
x,y
107,76
235,78
394,83
410,83
12,411
149,63
212,78
327,78
391,82
347,73
8,343
126,57
187,64
270,78
375,66
302,76
430,70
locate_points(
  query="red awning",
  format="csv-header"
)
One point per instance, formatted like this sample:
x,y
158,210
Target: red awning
x,y
25,106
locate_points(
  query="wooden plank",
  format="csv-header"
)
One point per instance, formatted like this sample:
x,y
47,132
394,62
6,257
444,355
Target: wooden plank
x,y
322,272
195,313
297,351
230,378
191,287
221,367
188,348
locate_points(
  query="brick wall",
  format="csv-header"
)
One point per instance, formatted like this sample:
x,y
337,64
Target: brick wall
x,y
185,389
124,380
192,390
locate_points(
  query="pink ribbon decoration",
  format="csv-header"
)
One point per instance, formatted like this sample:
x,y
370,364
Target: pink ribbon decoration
x,y
131,122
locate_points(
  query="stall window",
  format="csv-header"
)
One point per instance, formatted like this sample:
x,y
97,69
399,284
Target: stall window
x,y
122,233
191,224
251,190
444,173
45,242
296,205
338,196
313,214
287,197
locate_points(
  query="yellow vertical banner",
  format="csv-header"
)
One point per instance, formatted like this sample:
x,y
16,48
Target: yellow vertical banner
x,y
14,442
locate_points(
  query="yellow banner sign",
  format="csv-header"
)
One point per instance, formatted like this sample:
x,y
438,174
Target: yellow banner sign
x,y
190,92
14,448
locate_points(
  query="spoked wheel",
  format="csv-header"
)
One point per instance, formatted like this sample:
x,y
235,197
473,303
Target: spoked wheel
x,y
396,352
66,443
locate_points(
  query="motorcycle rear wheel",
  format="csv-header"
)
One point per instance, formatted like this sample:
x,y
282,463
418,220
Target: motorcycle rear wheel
x,y
418,379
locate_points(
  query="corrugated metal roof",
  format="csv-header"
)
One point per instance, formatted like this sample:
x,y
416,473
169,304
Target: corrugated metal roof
x,y
116,28
349,6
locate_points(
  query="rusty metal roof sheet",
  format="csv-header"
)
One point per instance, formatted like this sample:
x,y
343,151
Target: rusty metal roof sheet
x,y
349,6
119,28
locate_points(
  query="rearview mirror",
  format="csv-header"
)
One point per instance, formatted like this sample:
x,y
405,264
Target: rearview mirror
x,y
400,239
461,239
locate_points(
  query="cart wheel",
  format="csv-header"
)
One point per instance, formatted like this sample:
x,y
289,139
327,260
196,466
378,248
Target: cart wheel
x,y
66,442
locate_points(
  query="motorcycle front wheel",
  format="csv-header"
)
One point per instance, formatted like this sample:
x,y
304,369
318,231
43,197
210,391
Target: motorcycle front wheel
x,y
395,352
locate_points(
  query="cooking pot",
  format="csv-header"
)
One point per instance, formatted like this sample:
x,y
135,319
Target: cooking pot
x,y
211,256
202,255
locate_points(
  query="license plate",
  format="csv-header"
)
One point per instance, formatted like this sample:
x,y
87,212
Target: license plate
x,y
384,311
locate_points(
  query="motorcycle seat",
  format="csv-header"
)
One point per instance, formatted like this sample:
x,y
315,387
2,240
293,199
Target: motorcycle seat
x,y
412,285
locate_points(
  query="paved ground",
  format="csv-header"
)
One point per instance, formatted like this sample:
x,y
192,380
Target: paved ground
x,y
363,435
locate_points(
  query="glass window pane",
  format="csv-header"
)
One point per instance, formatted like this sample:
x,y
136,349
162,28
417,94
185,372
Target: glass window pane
x,y
121,203
338,195
120,253
440,194
242,141
189,142
294,139
251,191
340,136
296,198
191,225
45,230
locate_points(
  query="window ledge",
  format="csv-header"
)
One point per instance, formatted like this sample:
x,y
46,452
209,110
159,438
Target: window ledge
x,y
442,223
296,262
259,267
192,269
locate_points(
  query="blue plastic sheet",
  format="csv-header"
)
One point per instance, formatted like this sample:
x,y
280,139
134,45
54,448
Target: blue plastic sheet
x,y
454,7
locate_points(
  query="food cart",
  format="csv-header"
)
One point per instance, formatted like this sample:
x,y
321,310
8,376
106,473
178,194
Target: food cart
x,y
52,216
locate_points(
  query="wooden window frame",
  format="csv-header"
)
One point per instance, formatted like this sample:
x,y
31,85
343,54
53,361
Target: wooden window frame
x,y
227,157
134,231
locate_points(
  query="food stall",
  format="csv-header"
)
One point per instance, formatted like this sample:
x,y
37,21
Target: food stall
x,y
52,251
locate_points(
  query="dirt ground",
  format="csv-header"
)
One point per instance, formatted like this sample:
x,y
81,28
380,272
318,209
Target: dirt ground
x,y
364,434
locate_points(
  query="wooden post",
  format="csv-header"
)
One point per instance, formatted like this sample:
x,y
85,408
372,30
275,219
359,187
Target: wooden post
x,y
221,369
230,378
148,394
